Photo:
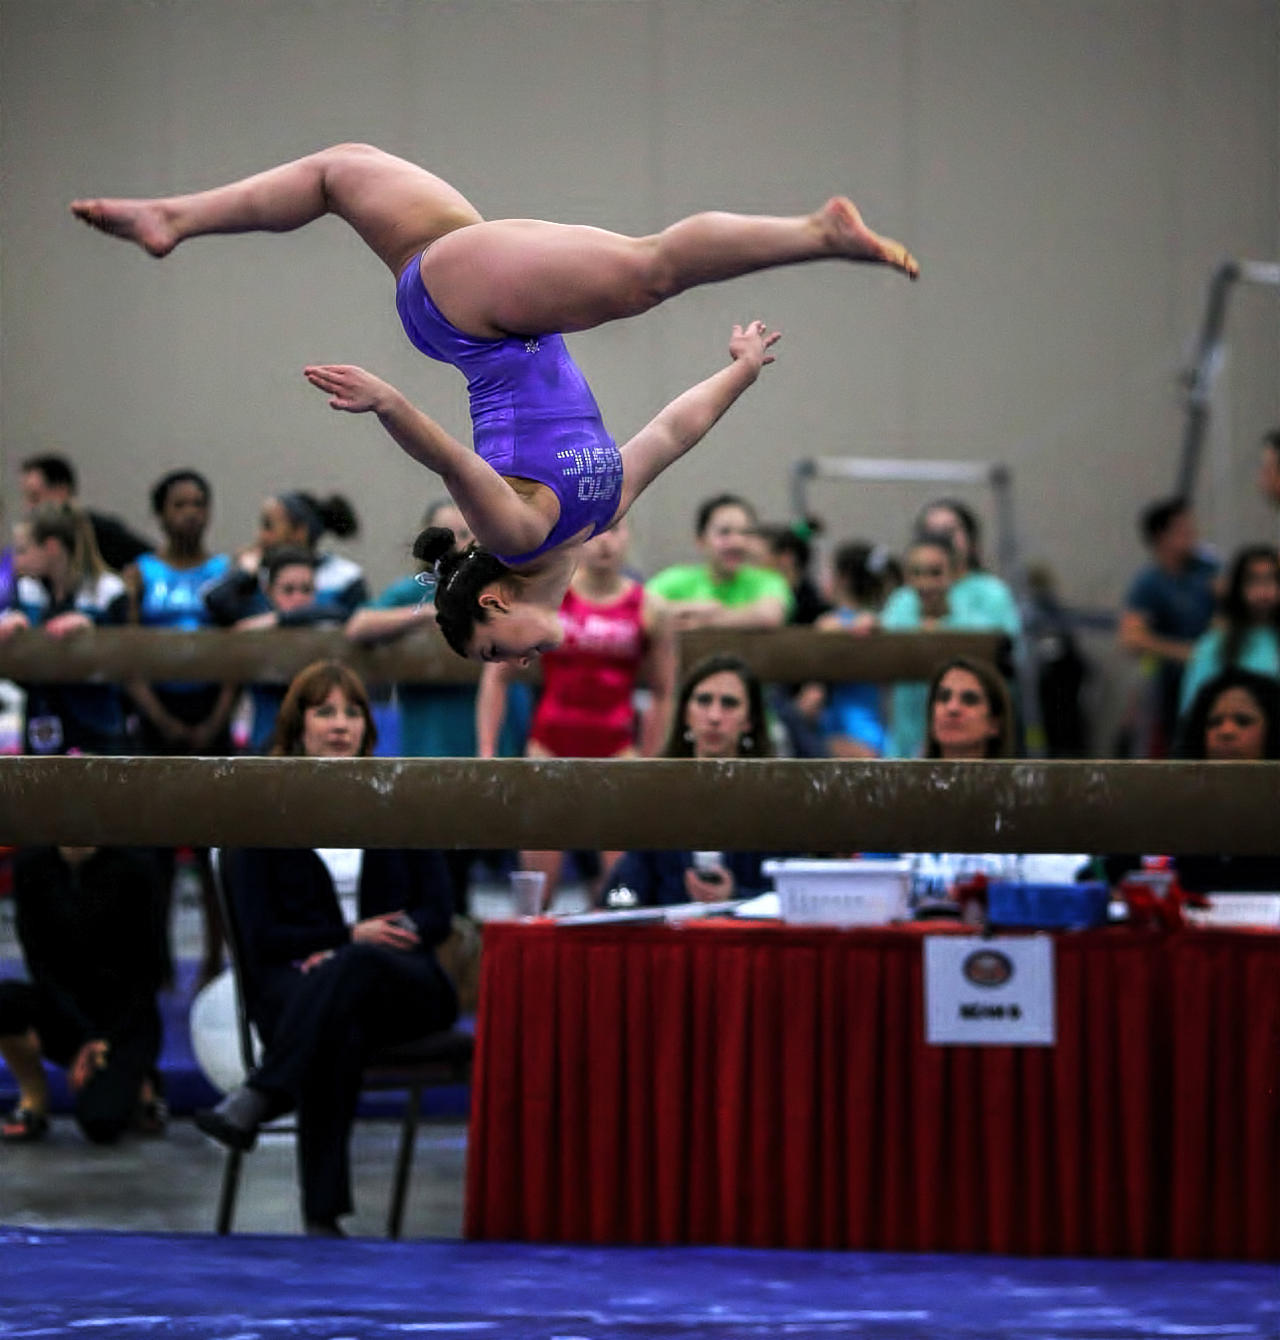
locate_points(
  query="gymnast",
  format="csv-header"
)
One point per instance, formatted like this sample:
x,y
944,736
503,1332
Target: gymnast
x,y
493,298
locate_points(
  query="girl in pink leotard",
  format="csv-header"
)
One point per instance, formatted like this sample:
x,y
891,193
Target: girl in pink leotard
x,y
491,283
618,637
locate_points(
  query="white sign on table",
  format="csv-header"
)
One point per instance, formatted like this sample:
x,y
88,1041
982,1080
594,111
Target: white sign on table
x,y
996,992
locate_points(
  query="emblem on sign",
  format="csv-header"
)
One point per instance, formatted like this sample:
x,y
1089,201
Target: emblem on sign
x,y
988,967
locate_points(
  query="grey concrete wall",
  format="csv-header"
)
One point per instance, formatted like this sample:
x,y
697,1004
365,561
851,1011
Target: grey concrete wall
x,y
1068,173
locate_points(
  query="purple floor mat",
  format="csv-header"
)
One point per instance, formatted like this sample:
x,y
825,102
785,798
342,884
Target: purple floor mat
x,y
56,1284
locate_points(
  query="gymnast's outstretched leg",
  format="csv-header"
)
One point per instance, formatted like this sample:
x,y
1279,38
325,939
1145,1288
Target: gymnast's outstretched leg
x,y
513,276
526,276
398,208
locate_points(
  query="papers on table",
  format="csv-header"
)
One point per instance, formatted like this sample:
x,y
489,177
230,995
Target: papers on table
x,y
649,915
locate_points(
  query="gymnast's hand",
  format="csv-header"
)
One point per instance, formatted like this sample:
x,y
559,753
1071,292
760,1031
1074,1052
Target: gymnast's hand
x,y
350,388
750,345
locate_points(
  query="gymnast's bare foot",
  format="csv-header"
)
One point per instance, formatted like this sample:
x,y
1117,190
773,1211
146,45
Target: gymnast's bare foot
x,y
149,223
849,236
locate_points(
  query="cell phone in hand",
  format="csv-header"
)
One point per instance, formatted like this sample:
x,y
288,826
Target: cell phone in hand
x,y
405,922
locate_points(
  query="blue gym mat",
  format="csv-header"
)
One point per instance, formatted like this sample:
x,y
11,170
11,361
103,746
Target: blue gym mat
x,y
77,1284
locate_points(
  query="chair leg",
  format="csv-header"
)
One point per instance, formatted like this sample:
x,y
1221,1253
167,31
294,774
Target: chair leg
x,y
404,1160
230,1185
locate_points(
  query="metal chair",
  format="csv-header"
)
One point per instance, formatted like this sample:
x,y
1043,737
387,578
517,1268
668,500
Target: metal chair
x,y
437,1059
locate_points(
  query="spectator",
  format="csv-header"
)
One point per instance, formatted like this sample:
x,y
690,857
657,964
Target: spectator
x,y
1062,669
17,561
725,590
852,720
970,716
289,591
789,551
167,590
978,599
970,712
9,571
1234,717
618,636
298,520
68,590
720,713
930,572
1168,606
325,996
52,479
1249,635
86,918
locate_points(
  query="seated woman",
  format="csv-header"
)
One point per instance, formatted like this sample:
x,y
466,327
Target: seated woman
x,y
326,996
88,920
1235,717
719,713
970,713
970,716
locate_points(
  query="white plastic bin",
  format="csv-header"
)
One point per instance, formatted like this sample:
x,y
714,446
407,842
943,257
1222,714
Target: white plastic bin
x,y
842,893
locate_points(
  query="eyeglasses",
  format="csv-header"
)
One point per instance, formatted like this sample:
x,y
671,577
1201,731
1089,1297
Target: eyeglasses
x,y
726,700
1240,720
290,589
966,697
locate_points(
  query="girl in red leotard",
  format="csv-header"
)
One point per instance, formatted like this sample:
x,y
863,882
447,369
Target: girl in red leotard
x,y
617,637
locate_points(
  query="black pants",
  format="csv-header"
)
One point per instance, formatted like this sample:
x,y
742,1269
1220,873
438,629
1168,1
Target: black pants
x,y
105,1105
325,1026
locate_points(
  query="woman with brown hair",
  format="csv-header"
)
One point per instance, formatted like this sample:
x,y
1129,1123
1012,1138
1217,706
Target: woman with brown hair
x,y
324,995
970,712
719,714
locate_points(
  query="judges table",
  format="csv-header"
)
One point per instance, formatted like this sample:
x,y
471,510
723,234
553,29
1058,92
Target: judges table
x,y
766,1085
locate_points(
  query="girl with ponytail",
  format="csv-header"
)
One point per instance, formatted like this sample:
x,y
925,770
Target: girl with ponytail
x,y
533,501
493,299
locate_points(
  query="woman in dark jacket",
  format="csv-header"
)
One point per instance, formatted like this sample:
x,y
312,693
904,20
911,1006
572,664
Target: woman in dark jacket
x,y
720,713
326,996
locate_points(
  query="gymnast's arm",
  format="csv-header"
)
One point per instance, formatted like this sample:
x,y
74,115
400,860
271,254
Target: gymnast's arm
x,y
491,707
499,517
691,416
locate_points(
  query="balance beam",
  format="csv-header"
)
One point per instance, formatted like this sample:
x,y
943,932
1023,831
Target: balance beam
x,y
761,805
115,655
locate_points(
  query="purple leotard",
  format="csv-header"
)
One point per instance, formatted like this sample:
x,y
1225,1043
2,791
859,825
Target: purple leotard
x,y
532,413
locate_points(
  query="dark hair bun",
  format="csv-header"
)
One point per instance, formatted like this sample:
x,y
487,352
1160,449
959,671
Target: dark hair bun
x,y
337,514
433,544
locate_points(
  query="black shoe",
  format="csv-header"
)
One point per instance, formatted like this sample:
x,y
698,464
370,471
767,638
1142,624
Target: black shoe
x,y
323,1228
24,1126
235,1121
